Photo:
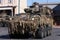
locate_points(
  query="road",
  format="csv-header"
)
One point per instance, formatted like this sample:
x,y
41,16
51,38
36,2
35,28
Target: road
x,y
55,34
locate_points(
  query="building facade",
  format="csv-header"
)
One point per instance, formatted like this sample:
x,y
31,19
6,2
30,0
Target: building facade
x,y
12,7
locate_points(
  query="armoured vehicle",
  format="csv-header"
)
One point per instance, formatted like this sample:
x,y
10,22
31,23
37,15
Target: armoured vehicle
x,y
36,22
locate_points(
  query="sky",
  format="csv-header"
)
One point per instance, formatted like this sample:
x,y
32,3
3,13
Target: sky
x,y
29,2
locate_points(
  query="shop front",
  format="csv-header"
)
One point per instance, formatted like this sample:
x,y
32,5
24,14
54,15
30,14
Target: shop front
x,y
7,10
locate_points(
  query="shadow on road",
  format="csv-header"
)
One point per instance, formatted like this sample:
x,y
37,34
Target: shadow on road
x,y
4,37
15,37
55,31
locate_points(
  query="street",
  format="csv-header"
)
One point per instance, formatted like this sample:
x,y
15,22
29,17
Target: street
x,y
55,34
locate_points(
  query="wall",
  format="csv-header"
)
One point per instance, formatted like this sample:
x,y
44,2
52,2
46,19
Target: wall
x,y
23,4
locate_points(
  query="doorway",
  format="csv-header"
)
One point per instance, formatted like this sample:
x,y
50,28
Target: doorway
x,y
6,12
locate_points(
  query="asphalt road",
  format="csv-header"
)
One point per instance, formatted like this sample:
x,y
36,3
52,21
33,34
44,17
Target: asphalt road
x,y
55,34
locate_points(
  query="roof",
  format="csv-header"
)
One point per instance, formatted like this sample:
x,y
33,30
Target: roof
x,y
6,6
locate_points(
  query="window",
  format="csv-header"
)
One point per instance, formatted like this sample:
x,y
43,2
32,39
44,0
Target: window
x,y
10,1
0,1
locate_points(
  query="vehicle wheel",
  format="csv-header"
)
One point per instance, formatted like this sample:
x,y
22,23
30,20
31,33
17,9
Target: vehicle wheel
x,y
11,35
39,34
45,31
45,34
15,35
1,24
50,32
42,34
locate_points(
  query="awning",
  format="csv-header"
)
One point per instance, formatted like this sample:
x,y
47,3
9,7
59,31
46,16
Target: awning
x,y
7,8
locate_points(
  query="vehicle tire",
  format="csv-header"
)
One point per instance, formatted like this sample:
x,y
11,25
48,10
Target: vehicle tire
x,y
50,32
1,24
45,31
12,35
39,34
47,34
42,34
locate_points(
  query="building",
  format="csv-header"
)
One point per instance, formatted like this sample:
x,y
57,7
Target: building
x,y
56,14
11,7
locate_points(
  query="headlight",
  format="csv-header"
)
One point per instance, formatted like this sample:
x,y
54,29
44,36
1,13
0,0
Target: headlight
x,y
32,18
10,18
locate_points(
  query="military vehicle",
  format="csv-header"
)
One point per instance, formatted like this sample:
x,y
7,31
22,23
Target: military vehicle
x,y
36,22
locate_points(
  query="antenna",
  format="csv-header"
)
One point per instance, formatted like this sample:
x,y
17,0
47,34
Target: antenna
x,y
47,3
32,1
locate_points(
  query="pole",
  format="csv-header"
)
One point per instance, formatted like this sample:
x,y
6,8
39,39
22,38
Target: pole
x,y
18,6
12,12
47,2
32,1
